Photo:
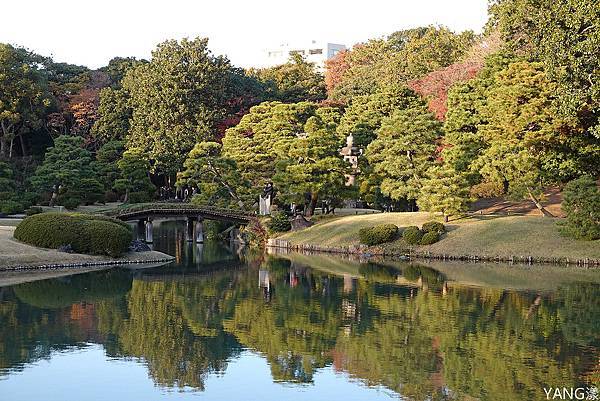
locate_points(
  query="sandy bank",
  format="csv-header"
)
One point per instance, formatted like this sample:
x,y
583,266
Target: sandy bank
x,y
14,255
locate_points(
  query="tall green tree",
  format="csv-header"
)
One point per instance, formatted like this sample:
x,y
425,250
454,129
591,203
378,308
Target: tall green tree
x,y
24,97
263,137
444,190
217,178
404,150
114,115
382,64
524,140
582,205
8,184
177,99
364,115
565,37
105,164
135,181
117,68
67,173
465,119
295,81
313,166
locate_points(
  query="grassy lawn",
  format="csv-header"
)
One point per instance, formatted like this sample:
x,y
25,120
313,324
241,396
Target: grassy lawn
x,y
483,236
343,231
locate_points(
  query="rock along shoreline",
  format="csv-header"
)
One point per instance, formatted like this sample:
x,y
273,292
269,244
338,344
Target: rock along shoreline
x,y
412,254
75,265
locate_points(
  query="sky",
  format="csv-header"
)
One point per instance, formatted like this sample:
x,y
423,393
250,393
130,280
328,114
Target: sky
x,y
91,33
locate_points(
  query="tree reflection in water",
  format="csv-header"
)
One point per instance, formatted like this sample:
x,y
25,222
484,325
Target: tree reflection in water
x,y
401,326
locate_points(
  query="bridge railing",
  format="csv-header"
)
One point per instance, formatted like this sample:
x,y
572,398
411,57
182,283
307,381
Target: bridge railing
x,y
124,210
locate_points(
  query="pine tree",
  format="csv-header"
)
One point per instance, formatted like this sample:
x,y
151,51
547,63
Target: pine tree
x,y
403,151
67,173
313,167
105,164
7,182
444,190
135,181
582,205
216,177
524,148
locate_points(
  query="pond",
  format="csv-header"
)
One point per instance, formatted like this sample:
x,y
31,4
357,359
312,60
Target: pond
x,y
221,323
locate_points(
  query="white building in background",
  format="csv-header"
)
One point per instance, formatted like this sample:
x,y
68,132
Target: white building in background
x,y
313,51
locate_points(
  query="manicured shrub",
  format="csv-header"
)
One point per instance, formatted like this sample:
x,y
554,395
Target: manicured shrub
x,y
99,217
279,222
34,210
581,203
378,235
412,235
429,238
11,207
91,234
70,202
433,227
107,238
51,230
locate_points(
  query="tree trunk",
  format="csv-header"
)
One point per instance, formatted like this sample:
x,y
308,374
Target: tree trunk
x,y
314,198
229,189
10,149
537,204
23,147
3,147
446,218
126,198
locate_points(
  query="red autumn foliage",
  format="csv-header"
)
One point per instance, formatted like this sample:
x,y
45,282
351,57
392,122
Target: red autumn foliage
x,y
335,69
435,85
78,111
237,107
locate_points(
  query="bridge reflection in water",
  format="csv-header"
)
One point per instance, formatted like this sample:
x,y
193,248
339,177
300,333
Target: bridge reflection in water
x,y
399,329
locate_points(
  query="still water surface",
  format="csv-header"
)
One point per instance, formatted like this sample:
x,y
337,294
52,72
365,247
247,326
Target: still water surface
x,y
219,324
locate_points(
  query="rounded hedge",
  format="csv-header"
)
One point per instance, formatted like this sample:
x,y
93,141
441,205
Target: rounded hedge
x,y
378,234
429,238
433,227
412,235
90,234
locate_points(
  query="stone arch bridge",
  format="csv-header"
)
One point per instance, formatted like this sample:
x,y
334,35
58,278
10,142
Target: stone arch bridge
x,y
146,213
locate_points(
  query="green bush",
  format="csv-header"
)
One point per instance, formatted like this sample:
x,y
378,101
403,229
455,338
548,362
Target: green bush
x,y
70,202
29,199
96,235
581,203
412,235
34,210
99,217
11,207
139,197
107,238
279,222
429,238
433,227
378,234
